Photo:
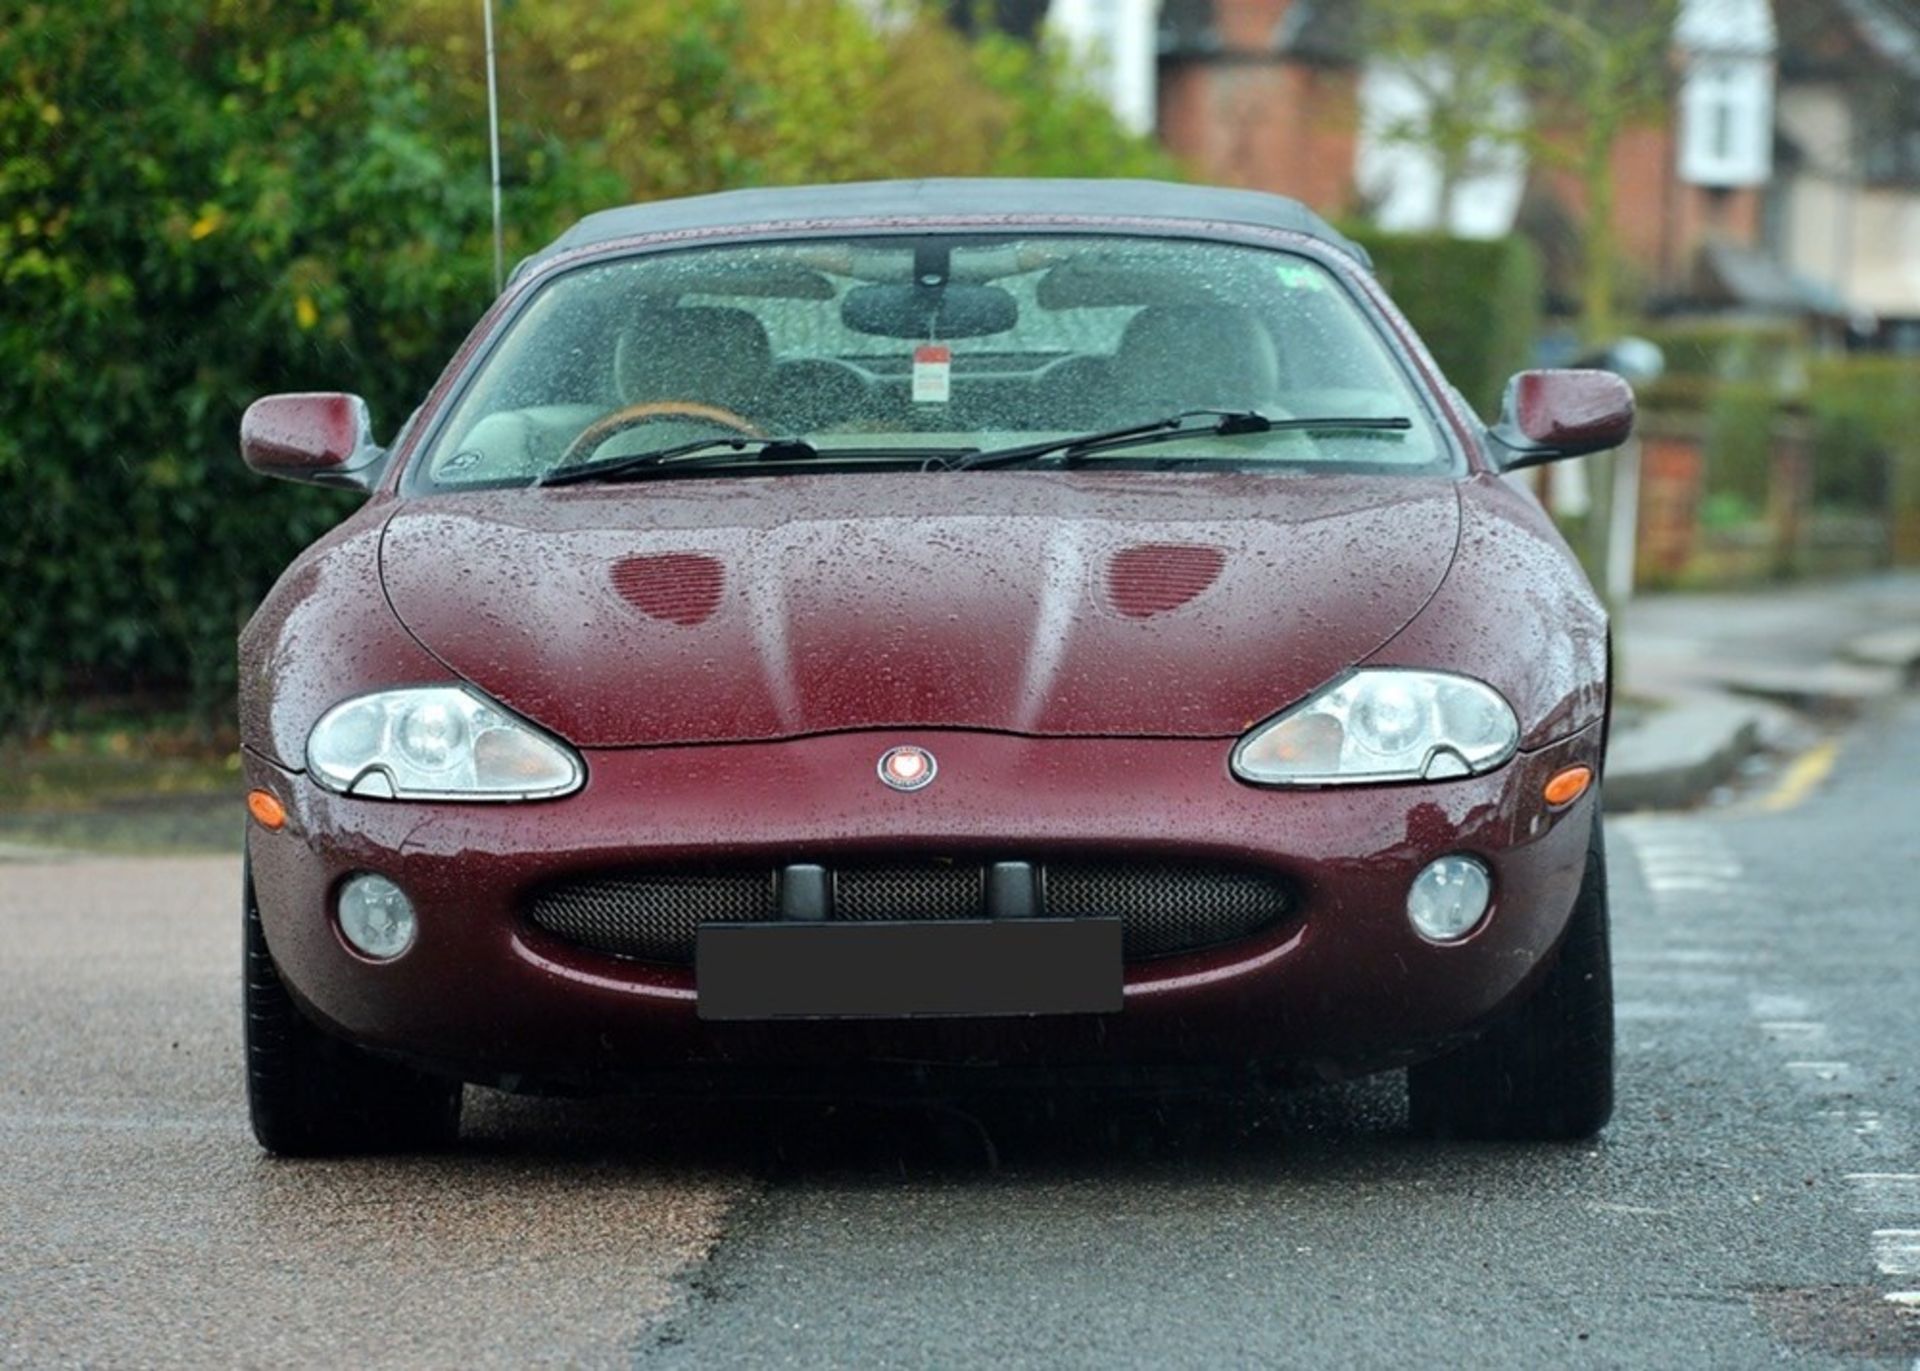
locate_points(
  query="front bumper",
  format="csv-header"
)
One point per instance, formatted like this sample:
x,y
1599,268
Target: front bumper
x,y
1343,984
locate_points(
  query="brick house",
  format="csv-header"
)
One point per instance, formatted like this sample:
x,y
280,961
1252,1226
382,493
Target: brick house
x,y
1784,181
1264,94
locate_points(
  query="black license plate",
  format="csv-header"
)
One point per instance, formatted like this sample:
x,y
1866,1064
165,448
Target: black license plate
x,y
906,970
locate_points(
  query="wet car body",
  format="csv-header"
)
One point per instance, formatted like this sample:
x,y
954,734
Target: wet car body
x,y
1079,650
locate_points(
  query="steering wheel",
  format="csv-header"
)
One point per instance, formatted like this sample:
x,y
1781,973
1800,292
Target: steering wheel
x,y
632,416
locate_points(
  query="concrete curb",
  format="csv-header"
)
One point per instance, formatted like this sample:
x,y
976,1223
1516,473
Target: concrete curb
x,y
1889,649
1831,689
1673,758
27,852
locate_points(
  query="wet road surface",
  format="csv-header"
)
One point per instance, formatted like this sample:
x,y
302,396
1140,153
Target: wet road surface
x,y
1757,1199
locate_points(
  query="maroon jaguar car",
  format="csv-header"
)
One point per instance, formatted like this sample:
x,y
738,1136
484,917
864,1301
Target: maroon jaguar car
x,y
1026,627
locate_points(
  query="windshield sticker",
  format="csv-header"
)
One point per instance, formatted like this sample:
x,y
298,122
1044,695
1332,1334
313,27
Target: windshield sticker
x,y
932,373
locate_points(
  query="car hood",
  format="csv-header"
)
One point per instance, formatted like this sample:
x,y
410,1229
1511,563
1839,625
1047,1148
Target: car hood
x,y
1046,603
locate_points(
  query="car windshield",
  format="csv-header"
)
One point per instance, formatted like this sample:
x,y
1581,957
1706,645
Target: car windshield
x,y
908,349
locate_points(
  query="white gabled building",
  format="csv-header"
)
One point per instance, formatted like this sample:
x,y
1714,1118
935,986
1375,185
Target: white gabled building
x,y
1117,43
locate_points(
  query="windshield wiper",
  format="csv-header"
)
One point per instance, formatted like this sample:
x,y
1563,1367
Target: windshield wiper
x,y
1225,423
764,450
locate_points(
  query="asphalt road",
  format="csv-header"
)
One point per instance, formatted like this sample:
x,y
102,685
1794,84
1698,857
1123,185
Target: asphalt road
x,y
1756,1200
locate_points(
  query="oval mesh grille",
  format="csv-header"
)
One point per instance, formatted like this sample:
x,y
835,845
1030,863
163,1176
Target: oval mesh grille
x,y
676,587
931,891
1153,578
1166,907
652,915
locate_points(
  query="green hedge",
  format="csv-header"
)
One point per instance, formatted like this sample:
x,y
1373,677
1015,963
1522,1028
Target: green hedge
x,y
1727,350
1741,419
1866,441
203,203
1476,302
1863,418
1866,436
1705,355
290,210
1858,415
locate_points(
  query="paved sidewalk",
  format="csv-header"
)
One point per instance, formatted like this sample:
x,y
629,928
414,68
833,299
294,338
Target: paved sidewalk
x,y
1709,679
1828,644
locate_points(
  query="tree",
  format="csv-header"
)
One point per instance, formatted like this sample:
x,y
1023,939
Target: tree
x,y
1459,58
202,201
199,203
683,96
1588,69
1605,68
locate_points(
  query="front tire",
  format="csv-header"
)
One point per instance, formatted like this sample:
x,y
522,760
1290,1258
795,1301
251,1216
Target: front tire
x,y
1545,1073
312,1095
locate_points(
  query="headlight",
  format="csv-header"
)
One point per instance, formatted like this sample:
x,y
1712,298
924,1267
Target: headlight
x,y
437,743
1382,724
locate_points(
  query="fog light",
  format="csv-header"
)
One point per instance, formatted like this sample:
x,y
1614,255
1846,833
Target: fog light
x,y
1449,898
376,917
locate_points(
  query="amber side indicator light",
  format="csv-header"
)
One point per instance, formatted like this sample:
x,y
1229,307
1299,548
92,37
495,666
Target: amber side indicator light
x,y
266,810
1567,786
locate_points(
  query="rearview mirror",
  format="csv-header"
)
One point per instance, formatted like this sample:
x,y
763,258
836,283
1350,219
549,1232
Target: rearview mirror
x,y
324,438
1548,415
929,313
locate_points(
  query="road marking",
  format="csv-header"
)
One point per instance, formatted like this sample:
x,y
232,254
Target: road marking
x,y
1696,885
1691,871
1799,1032
1865,1124
1896,1251
1613,1207
1829,1077
1882,1192
1801,778
1657,1011
1696,854
1679,978
1702,855
1692,956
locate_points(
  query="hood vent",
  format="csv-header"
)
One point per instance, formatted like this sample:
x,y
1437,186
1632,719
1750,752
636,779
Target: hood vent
x,y
675,587
1153,578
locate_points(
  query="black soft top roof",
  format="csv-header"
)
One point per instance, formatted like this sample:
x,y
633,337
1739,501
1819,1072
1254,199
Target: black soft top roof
x,y
950,199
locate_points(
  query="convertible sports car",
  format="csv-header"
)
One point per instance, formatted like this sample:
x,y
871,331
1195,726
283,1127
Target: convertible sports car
x,y
1060,627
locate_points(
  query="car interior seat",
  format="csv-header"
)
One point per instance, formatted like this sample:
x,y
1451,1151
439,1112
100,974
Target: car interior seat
x,y
1199,356
808,394
701,354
